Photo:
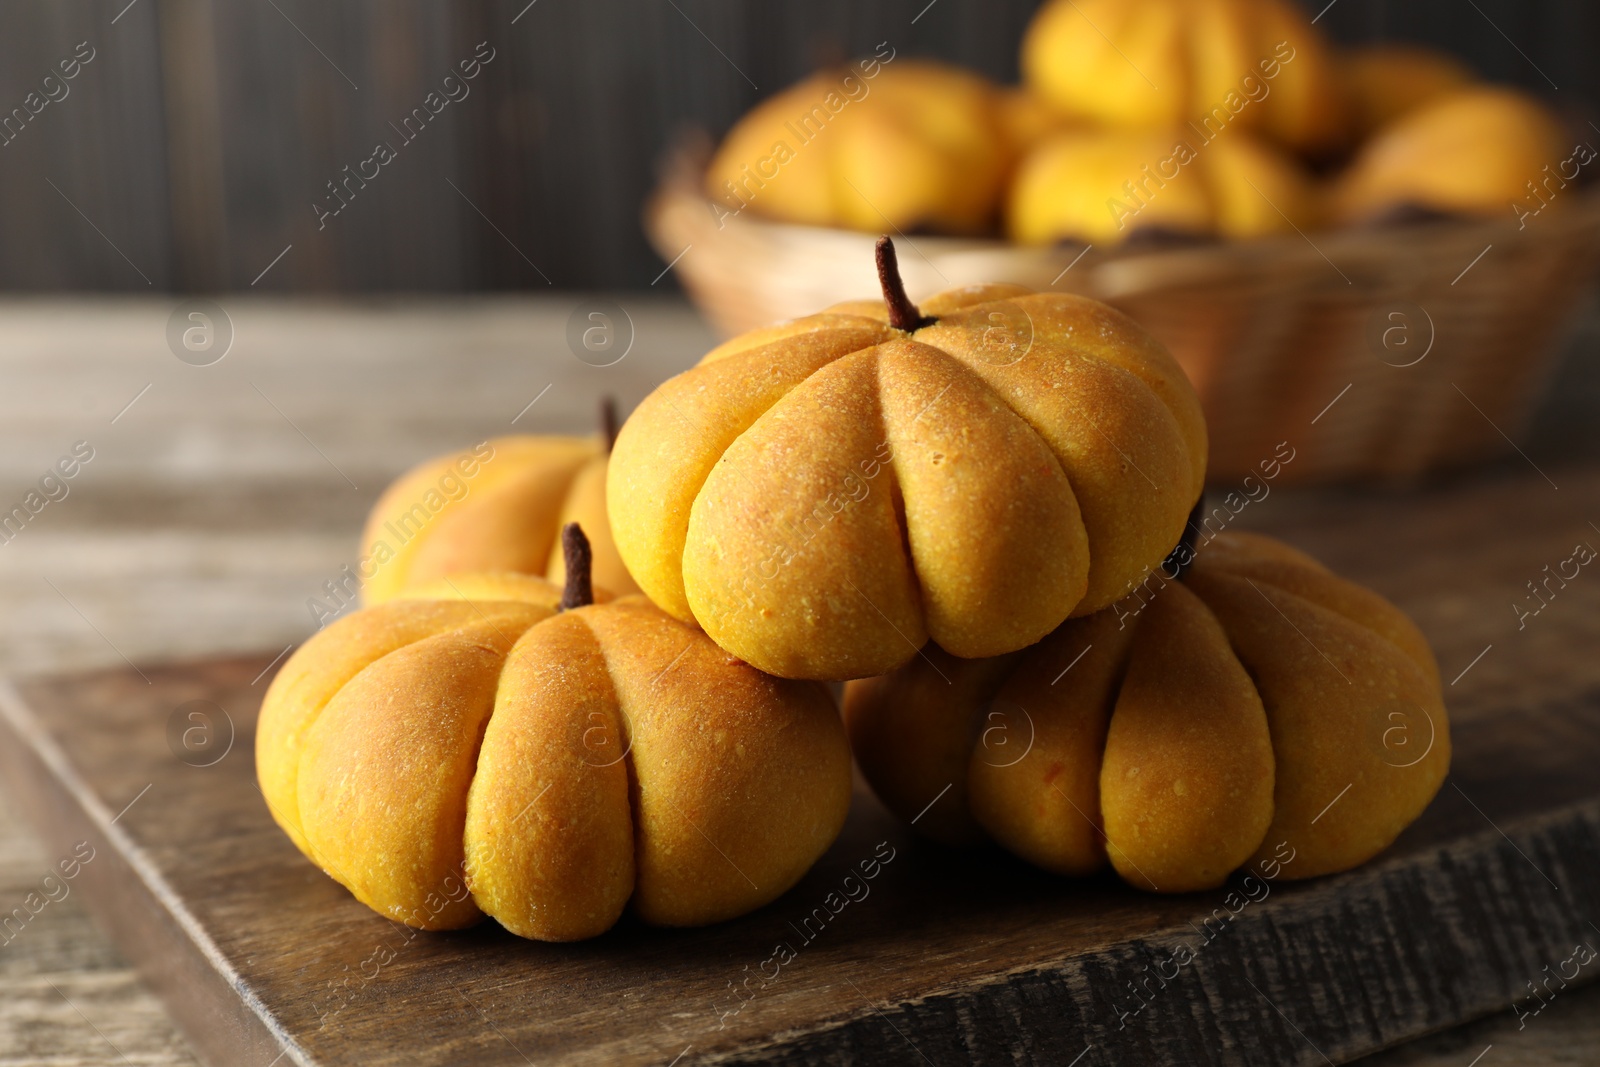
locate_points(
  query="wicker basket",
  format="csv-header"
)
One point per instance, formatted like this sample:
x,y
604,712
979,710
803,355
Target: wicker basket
x,y
1375,354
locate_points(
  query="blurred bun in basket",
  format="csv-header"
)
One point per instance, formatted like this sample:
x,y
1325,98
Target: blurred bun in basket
x,y
1475,152
904,144
1028,119
1292,220
1239,187
1160,63
1385,81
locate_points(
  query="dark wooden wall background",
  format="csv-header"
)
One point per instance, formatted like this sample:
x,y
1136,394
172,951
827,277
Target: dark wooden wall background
x,y
198,138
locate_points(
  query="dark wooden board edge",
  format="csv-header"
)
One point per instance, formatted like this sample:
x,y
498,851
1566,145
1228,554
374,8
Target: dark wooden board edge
x,y
213,1007
1467,922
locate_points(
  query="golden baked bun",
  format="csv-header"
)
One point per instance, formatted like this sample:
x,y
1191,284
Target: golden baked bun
x,y
823,495
446,759
1386,81
1028,119
1254,708
497,507
1478,152
1250,64
1102,187
915,145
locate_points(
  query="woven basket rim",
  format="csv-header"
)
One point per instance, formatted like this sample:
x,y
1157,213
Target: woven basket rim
x,y
681,193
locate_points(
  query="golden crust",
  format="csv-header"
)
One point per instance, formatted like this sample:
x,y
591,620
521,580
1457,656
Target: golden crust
x,y
825,495
501,510
306,683
1356,721
1035,778
1237,187
449,759
1186,786
908,145
1261,707
1387,80
1469,152
1105,59
913,737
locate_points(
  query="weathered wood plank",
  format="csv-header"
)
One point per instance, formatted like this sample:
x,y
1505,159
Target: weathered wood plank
x,y
205,520
1564,1034
966,961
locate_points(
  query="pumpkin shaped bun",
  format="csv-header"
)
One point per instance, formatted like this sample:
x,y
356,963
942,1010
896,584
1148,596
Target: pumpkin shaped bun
x,y
1254,64
1103,187
1388,80
824,495
547,761
498,507
1252,707
1482,151
909,144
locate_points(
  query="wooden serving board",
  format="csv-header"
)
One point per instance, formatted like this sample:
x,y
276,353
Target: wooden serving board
x,y
940,958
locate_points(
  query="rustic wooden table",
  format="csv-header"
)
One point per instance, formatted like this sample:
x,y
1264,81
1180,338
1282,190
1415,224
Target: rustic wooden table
x,y
220,497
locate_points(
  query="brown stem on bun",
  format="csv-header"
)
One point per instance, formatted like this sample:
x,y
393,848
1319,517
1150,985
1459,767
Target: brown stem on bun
x,y
903,314
579,558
